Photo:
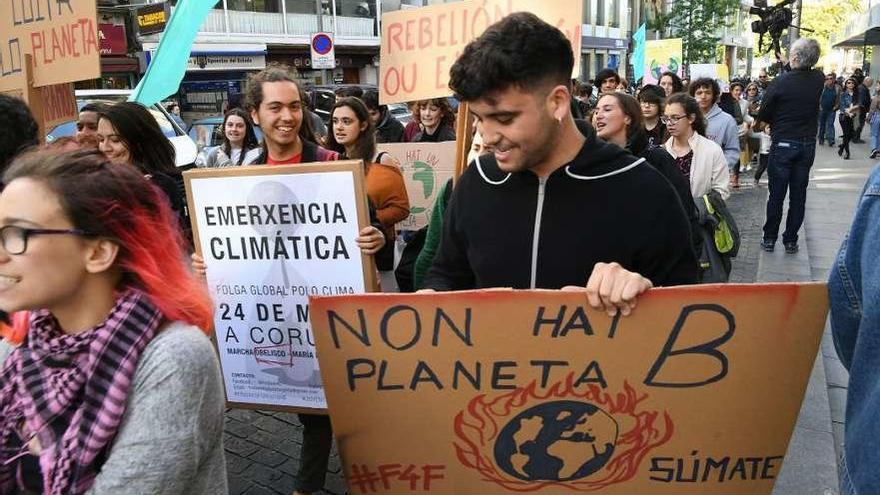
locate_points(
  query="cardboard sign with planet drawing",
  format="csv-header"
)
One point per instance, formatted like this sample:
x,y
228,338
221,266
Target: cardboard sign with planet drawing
x,y
501,391
426,167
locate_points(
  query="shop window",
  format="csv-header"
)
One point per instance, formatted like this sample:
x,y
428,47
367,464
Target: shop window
x,y
254,5
586,66
301,7
614,18
356,8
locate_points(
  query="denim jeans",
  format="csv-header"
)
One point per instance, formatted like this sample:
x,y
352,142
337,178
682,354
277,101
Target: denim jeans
x,y
788,171
826,126
875,133
854,301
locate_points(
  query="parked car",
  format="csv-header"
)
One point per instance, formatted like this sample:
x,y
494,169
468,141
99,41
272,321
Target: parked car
x,y
400,111
208,132
323,97
185,149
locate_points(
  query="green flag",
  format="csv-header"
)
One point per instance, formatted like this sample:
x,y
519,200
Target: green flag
x,y
638,56
168,64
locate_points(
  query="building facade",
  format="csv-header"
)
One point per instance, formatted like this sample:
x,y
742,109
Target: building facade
x,y
605,36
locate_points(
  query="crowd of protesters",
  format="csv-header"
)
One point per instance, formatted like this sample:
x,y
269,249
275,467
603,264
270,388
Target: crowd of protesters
x,y
101,316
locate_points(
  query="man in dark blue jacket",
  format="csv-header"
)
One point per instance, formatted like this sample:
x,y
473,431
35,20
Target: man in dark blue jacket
x,y
553,206
828,104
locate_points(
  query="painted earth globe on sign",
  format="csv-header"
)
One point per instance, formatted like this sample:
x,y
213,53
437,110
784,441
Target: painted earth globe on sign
x,y
556,441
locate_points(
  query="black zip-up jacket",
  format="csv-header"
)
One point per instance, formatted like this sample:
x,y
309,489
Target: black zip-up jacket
x,y
389,130
791,104
514,230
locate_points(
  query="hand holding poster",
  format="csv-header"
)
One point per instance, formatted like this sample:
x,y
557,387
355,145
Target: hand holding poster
x,y
271,237
425,168
505,391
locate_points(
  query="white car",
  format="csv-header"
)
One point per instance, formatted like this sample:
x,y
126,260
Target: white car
x,y
185,149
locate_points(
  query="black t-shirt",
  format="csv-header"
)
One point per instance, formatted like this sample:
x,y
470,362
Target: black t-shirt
x,y
656,136
443,133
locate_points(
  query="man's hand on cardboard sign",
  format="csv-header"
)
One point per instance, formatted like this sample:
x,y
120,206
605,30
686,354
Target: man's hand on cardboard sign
x,y
199,267
370,240
613,288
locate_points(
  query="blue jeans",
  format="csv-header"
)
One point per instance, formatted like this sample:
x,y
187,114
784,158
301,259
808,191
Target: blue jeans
x,y
826,126
854,300
875,133
788,171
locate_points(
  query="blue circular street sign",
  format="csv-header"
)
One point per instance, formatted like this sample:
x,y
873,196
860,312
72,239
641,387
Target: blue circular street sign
x,y
322,44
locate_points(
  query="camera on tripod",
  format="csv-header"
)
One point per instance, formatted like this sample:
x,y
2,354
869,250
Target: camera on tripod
x,y
771,20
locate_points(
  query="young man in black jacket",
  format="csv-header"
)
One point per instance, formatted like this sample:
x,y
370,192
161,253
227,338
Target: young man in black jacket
x,y
388,129
554,206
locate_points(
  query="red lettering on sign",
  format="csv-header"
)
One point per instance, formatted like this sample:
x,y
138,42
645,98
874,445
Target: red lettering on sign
x,y
441,75
394,476
58,102
440,20
395,79
426,35
394,31
410,27
71,40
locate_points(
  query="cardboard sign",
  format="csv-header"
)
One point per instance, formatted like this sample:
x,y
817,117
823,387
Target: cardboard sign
x,y
420,45
61,35
507,391
719,72
50,105
662,56
272,236
425,168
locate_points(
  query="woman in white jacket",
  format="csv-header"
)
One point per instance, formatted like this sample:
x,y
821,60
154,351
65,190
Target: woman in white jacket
x,y
700,159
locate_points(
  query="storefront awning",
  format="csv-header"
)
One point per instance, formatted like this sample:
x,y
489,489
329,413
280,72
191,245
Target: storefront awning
x,y
119,64
861,30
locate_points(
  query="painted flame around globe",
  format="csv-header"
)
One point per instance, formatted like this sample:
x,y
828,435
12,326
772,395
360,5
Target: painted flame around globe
x,y
477,428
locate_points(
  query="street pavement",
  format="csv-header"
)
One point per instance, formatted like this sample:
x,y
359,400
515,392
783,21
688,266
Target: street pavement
x,y
262,447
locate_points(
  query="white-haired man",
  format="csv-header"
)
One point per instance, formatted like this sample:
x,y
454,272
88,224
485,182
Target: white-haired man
x,y
790,106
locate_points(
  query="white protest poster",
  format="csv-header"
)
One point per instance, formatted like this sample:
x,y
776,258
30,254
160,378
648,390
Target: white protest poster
x,y
271,237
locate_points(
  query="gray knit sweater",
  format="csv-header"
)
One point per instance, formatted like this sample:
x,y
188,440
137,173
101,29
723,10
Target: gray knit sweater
x,y
171,438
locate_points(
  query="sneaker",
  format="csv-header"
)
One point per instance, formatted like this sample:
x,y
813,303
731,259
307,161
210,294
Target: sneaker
x,y
791,247
831,143
768,245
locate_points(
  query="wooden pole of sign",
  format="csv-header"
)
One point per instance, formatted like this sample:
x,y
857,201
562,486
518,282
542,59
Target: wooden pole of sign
x,y
464,136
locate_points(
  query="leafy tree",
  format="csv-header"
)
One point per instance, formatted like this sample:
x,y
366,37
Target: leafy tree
x,y
825,18
698,23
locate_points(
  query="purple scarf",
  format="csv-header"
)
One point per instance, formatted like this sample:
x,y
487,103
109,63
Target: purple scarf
x,y
70,392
